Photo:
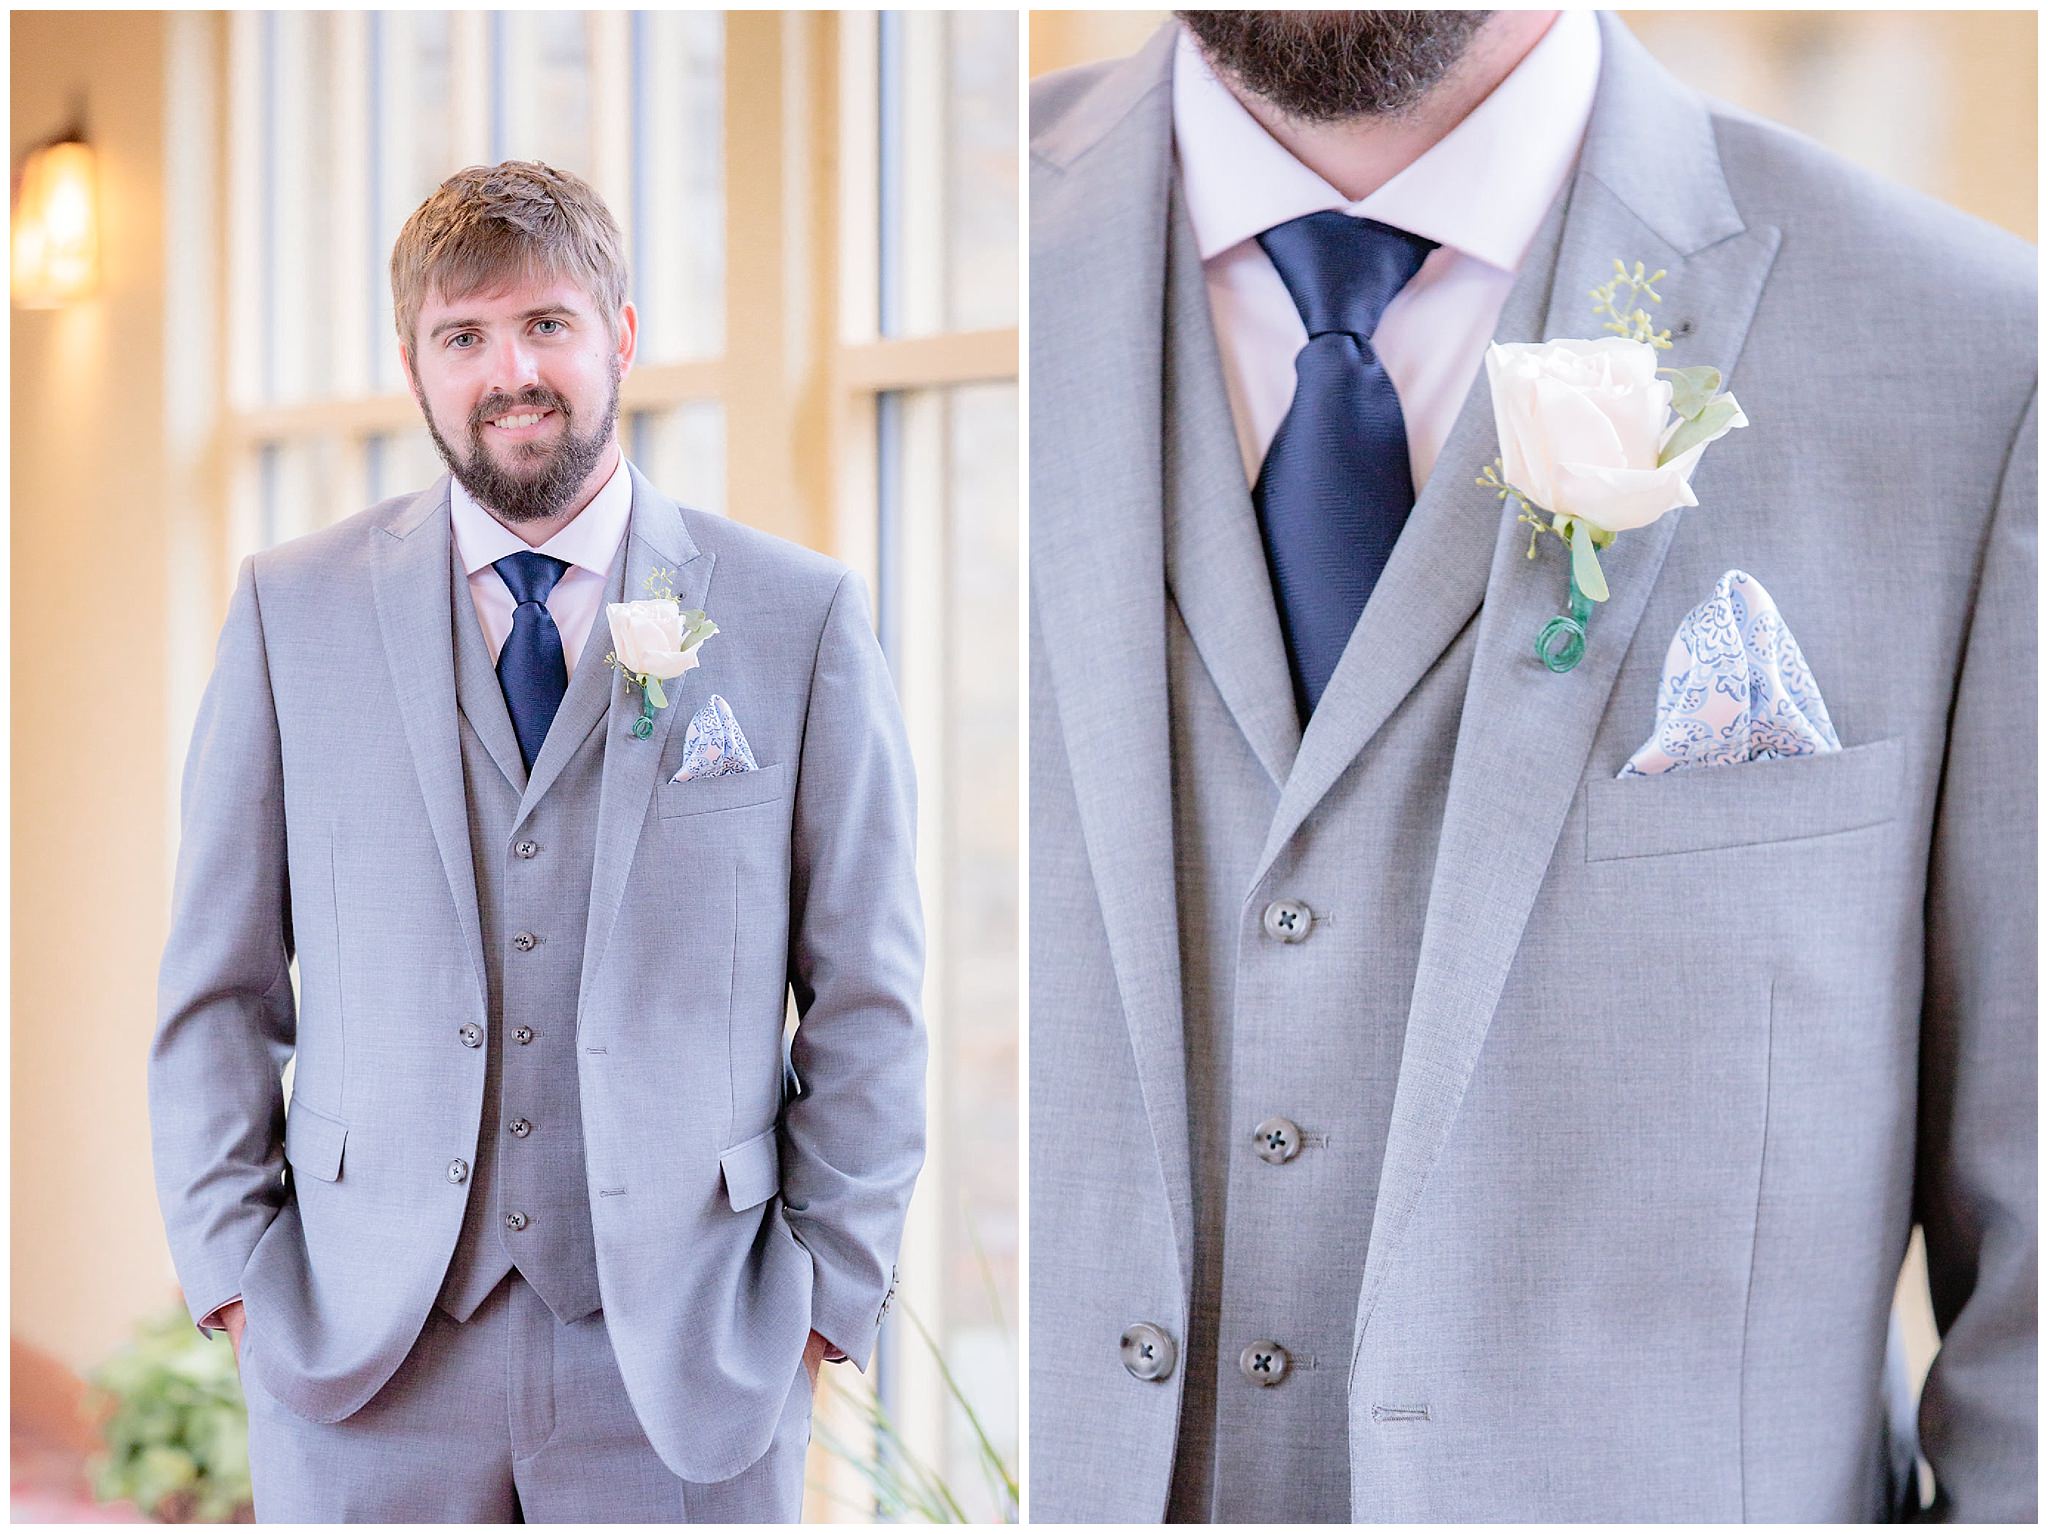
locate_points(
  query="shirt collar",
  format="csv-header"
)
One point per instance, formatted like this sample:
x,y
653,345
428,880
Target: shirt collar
x,y
589,541
1482,188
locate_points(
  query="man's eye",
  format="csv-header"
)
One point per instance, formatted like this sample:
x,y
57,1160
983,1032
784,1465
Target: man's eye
x,y
459,336
556,323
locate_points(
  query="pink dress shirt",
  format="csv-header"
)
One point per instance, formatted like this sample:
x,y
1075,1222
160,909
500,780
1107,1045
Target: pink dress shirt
x,y
588,544
1480,192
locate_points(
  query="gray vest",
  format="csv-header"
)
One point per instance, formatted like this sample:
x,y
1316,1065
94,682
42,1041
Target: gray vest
x,y
529,1205
1301,1036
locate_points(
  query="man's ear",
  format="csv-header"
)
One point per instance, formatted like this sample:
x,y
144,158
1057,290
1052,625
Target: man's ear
x,y
629,337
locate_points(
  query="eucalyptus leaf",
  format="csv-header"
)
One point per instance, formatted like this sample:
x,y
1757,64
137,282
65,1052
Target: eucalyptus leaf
x,y
1586,564
1700,428
654,693
1692,388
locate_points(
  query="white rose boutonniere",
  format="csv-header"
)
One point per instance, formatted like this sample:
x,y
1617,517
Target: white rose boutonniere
x,y
1597,439
654,641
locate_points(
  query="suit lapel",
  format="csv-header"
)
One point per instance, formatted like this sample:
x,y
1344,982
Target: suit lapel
x,y
1097,561
477,690
1215,559
1649,187
632,767
410,560
583,704
1436,576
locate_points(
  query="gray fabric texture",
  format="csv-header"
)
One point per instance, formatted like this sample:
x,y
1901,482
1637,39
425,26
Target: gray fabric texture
x,y
327,818
1677,1062
530,1074
510,1416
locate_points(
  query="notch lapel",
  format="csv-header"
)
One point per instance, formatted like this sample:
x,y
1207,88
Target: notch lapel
x,y
1097,547
632,767
410,560
1436,577
585,701
1215,558
476,679
1649,187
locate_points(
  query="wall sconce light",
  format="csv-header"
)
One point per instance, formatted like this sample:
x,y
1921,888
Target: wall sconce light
x,y
56,254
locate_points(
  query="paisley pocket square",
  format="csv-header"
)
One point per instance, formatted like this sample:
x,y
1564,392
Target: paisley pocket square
x,y
714,744
1735,689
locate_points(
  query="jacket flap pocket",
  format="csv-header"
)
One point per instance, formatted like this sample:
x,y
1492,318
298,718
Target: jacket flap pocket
x,y
753,1171
312,1143
1693,809
694,796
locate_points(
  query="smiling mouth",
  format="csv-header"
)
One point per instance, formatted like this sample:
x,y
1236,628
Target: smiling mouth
x,y
522,422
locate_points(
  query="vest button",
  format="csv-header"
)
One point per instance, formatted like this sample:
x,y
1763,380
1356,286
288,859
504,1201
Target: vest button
x,y
526,849
524,941
1263,1363
522,1035
457,1170
520,1127
515,1221
471,1035
1277,1140
1147,1352
1287,921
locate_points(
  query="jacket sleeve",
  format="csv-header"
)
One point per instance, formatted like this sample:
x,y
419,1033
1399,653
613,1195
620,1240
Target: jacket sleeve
x,y
1975,1179
853,1137
226,1017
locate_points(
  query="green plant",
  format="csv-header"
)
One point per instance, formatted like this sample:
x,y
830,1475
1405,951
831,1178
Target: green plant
x,y
906,1488
177,1433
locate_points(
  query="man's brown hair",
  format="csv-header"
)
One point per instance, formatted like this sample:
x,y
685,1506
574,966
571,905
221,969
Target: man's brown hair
x,y
492,224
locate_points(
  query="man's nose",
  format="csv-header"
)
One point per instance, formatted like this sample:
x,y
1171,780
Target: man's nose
x,y
514,369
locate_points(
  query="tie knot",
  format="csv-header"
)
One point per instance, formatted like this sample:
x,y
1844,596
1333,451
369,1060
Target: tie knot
x,y
530,576
1342,271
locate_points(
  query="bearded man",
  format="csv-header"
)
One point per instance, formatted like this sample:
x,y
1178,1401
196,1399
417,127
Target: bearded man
x,y
554,791
1468,1082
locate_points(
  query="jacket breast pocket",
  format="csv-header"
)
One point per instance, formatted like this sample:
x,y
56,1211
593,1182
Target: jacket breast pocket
x,y
732,791
313,1143
1699,809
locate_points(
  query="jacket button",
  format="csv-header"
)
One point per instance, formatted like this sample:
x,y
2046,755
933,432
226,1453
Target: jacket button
x,y
457,1170
520,1127
1287,921
471,1035
522,1035
1147,1351
1277,1140
515,1221
526,849
1263,1363
524,941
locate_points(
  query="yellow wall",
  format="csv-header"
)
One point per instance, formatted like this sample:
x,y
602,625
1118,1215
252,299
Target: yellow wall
x,y
90,772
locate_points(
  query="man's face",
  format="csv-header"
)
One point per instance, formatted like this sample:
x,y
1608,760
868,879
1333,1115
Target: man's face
x,y
508,354
1329,66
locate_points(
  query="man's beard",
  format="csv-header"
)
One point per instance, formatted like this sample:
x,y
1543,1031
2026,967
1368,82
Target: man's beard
x,y
541,493
1326,66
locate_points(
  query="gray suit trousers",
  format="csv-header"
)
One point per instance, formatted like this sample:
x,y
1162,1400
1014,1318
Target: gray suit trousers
x,y
508,1417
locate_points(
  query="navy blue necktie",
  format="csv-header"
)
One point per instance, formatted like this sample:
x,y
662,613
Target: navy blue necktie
x,y
530,666
1335,489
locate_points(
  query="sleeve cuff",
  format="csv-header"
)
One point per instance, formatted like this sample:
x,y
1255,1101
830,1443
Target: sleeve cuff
x,y
211,1322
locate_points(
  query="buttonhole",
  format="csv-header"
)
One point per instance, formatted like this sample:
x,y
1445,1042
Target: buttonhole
x,y
1400,1413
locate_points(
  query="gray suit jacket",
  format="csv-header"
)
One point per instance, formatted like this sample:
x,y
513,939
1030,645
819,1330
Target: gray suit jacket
x,y
1686,1058
324,820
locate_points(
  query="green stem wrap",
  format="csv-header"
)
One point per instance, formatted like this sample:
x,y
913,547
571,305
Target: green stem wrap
x,y
1570,630
644,725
